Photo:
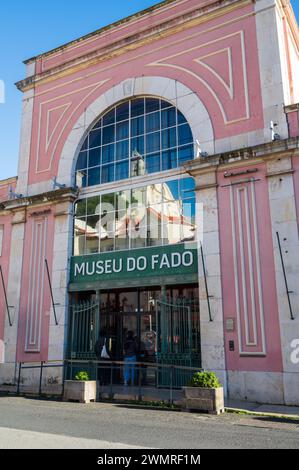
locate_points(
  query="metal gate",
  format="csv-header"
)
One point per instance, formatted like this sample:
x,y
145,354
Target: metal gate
x,y
178,340
83,330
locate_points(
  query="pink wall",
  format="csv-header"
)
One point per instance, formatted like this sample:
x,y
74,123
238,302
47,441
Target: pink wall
x,y
35,302
217,59
248,272
5,224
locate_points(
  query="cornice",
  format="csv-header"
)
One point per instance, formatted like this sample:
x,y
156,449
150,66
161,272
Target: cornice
x,y
50,197
131,42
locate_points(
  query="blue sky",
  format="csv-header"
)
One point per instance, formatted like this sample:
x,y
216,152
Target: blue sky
x,y
30,28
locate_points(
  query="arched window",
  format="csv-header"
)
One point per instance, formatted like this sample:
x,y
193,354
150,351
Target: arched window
x,y
134,138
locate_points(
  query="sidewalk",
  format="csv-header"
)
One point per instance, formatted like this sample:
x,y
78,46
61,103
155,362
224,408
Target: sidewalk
x,y
262,409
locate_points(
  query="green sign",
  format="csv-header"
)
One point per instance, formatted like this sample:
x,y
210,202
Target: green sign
x,y
159,261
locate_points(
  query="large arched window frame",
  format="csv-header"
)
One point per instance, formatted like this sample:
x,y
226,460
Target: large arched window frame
x,y
136,137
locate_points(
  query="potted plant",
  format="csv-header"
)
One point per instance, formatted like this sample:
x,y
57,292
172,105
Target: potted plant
x,y
205,393
81,389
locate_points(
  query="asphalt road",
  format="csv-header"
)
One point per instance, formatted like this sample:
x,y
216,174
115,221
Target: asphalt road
x,y
54,425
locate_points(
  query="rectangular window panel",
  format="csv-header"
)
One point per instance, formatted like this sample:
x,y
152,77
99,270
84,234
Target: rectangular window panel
x,y
187,187
94,157
154,194
139,196
81,178
122,150
82,160
186,153
122,200
137,126
95,138
122,170
122,112
153,122
108,153
153,142
94,176
93,205
152,104
153,163
80,208
122,130
107,241
184,135
109,118
121,243
169,159
168,118
107,174
171,190
108,134
137,145
169,138
79,245
137,107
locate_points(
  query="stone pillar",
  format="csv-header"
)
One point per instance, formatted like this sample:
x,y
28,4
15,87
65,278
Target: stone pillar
x,y
284,221
60,271
212,332
8,369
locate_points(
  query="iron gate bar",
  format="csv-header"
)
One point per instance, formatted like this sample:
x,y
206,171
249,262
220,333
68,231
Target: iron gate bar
x,y
5,297
285,277
206,283
51,291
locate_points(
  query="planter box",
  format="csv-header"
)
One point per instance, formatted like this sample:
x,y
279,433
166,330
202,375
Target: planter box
x,y
81,391
204,399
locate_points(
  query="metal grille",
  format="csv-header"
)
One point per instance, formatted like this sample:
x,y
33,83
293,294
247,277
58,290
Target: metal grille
x,y
83,333
178,340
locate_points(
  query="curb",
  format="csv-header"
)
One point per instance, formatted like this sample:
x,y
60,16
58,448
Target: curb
x,y
261,413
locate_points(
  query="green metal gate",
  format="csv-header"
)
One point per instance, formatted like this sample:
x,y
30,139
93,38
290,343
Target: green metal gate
x,y
178,340
83,330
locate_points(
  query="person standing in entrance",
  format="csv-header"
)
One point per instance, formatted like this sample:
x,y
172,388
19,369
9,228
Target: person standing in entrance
x,y
130,356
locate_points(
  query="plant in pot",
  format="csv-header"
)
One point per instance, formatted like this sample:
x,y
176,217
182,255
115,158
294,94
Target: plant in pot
x,y
205,393
81,389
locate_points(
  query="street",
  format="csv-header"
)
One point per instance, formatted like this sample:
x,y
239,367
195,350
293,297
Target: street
x,y
42,424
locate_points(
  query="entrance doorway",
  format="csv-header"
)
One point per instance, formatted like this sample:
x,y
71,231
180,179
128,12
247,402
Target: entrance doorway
x,y
164,322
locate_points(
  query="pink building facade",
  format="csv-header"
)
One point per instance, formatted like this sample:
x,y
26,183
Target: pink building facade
x,y
230,72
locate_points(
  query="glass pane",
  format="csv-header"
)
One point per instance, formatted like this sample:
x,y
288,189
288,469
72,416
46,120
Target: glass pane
x,y
108,134
94,157
186,153
92,245
171,190
169,138
94,176
121,243
107,202
155,214
107,174
168,118
80,208
82,161
108,153
122,112
122,150
165,104
128,302
98,124
137,126
137,107
95,138
122,170
85,144
184,135
137,145
107,241
139,196
81,178
79,245
154,194
122,130
80,226
153,142
169,159
151,104
93,205
153,163
122,200
181,118
109,118
187,187
154,235
153,122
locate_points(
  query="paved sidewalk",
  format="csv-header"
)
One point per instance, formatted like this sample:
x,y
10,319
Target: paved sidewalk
x,y
276,410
